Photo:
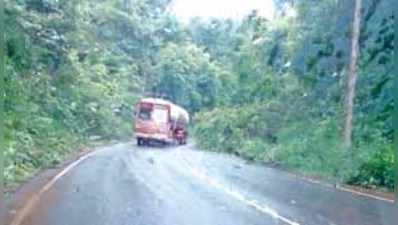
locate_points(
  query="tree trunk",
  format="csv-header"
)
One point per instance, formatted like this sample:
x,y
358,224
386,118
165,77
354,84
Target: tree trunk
x,y
2,98
352,75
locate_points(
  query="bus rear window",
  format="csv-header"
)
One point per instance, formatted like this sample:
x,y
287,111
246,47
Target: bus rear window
x,y
144,113
160,114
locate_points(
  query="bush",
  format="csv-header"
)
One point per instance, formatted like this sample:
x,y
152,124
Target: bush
x,y
233,130
376,167
310,146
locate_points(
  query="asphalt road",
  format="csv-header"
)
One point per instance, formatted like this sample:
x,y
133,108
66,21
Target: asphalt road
x,y
126,185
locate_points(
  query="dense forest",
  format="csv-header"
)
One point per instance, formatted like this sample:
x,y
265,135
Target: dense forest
x,y
272,91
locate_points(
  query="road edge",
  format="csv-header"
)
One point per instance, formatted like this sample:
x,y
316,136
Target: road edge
x,y
343,188
381,196
15,216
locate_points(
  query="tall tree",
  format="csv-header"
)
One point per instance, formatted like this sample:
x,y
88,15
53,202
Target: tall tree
x,y
352,75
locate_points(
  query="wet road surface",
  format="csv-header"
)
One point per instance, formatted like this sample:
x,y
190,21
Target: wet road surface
x,y
126,185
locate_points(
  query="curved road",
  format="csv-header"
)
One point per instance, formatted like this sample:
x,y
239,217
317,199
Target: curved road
x,y
126,185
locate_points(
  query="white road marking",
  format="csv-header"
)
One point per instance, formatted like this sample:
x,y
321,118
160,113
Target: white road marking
x,y
21,214
340,188
233,193
240,197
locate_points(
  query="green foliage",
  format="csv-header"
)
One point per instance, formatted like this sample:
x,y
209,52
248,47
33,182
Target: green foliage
x,y
287,89
314,147
73,71
377,170
186,75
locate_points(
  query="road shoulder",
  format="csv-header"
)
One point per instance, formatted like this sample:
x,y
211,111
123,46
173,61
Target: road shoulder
x,y
27,191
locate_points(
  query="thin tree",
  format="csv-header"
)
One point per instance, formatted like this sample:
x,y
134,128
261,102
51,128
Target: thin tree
x,y
352,75
2,97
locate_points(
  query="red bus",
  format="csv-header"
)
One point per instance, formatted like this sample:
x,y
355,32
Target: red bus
x,y
160,120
